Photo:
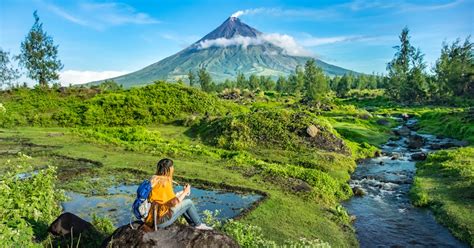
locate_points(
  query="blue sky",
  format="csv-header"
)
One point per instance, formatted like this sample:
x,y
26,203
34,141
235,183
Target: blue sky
x,y
99,39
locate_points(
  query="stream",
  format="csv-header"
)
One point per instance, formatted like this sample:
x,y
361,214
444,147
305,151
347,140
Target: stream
x,y
117,204
384,215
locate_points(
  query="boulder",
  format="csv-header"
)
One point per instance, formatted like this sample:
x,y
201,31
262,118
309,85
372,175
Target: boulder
x,y
377,153
415,141
174,236
312,131
383,122
365,116
435,146
299,185
358,191
66,222
395,156
419,156
402,131
405,116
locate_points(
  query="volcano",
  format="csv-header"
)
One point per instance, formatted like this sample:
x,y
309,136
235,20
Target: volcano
x,y
231,48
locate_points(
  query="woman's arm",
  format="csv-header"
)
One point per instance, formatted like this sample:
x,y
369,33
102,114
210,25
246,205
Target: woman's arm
x,y
186,191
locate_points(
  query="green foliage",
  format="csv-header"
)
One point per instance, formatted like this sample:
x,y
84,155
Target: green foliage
x,y
444,183
205,80
315,82
456,123
406,72
262,127
39,55
103,225
28,203
191,78
249,236
157,103
8,74
455,71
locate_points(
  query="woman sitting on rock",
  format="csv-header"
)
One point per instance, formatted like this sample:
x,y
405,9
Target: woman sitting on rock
x,y
167,206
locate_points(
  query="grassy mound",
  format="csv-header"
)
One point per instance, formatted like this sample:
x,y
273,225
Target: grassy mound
x,y
445,184
286,129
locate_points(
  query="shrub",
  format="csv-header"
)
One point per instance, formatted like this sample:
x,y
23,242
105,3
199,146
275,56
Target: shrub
x,y
28,203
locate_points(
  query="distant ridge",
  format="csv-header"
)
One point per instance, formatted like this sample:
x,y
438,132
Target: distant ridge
x,y
258,57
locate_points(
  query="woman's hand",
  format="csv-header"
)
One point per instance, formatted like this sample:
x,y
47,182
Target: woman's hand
x,y
187,190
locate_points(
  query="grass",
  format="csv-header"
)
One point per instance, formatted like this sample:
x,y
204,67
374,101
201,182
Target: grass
x,y
445,184
283,215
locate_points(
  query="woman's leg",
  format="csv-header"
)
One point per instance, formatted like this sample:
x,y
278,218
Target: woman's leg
x,y
185,208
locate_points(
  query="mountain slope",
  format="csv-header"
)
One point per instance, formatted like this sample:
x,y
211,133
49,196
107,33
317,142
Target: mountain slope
x,y
231,48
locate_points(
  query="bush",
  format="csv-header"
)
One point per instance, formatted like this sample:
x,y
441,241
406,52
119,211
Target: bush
x,y
28,203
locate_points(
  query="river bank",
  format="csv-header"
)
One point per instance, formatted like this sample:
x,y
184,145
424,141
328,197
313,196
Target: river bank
x,y
384,212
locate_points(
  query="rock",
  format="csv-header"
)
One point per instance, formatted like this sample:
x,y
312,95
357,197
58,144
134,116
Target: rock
x,y
377,153
405,116
395,156
381,163
383,122
312,130
365,116
395,138
419,156
452,143
55,134
65,222
299,185
174,236
435,146
415,141
358,191
402,131
391,144
412,124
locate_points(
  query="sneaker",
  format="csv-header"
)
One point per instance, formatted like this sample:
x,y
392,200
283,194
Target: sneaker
x,y
203,227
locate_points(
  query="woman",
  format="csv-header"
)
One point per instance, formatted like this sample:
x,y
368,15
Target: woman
x,y
167,206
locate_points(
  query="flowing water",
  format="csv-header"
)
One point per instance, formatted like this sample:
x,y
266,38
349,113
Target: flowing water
x,y
384,215
117,204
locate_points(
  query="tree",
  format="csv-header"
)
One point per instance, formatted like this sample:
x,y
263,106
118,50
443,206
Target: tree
x,y
191,78
455,70
399,67
39,55
415,88
316,84
109,85
267,83
241,82
344,85
296,81
281,85
254,82
205,80
8,74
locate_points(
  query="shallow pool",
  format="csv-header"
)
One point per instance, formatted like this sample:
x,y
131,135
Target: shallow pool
x,y
117,204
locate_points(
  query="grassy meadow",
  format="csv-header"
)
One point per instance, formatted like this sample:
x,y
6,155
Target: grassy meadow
x,y
97,139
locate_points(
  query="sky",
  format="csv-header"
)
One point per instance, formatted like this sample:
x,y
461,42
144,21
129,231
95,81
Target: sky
x,y
102,39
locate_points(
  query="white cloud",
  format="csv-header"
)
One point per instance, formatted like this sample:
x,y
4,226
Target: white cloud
x,y
286,42
318,41
102,15
79,77
400,5
303,12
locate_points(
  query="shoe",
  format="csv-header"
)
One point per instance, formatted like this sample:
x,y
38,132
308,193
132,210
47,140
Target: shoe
x,y
203,227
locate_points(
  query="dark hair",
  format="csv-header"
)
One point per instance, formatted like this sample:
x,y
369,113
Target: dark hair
x,y
163,167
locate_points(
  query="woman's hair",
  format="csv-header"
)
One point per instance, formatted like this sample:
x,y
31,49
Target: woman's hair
x,y
163,167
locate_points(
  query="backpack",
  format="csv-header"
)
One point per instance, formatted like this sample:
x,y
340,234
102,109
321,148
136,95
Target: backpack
x,y
141,205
